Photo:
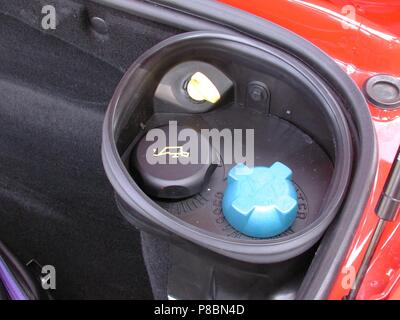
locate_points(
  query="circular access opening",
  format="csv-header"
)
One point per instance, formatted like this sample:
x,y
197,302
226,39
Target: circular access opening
x,y
298,122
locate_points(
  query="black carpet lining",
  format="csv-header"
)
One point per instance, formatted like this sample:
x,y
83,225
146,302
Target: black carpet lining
x,y
56,204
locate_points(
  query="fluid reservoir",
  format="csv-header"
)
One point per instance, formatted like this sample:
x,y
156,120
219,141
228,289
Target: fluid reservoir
x,y
260,202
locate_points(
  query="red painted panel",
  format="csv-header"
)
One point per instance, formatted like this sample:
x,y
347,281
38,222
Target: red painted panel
x,y
363,42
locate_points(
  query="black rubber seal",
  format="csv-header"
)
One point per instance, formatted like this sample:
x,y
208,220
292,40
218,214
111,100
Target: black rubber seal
x,y
140,205
383,91
211,15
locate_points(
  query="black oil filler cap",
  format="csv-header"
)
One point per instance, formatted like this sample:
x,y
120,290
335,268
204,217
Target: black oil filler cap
x,y
172,169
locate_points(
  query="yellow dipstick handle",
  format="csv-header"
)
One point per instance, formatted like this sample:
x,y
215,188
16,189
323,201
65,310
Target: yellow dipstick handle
x,y
201,88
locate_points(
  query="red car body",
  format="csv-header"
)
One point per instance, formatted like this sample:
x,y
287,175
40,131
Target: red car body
x,y
363,37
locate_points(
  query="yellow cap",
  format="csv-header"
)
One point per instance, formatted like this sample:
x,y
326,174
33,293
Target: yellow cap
x,y
201,88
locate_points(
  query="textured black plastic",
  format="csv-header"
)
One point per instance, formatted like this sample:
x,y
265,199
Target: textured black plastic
x,y
167,176
195,273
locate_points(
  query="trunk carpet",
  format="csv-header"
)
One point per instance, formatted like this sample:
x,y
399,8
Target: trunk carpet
x,y
56,205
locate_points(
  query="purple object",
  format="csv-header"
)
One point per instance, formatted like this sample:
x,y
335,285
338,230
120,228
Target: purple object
x,y
10,283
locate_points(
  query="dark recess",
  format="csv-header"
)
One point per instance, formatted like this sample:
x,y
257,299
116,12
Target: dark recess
x,y
57,205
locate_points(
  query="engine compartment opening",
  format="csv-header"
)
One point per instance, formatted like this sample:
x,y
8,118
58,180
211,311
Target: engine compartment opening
x,y
296,120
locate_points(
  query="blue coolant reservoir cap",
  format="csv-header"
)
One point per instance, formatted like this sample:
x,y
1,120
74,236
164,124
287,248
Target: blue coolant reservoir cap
x,y
260,202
